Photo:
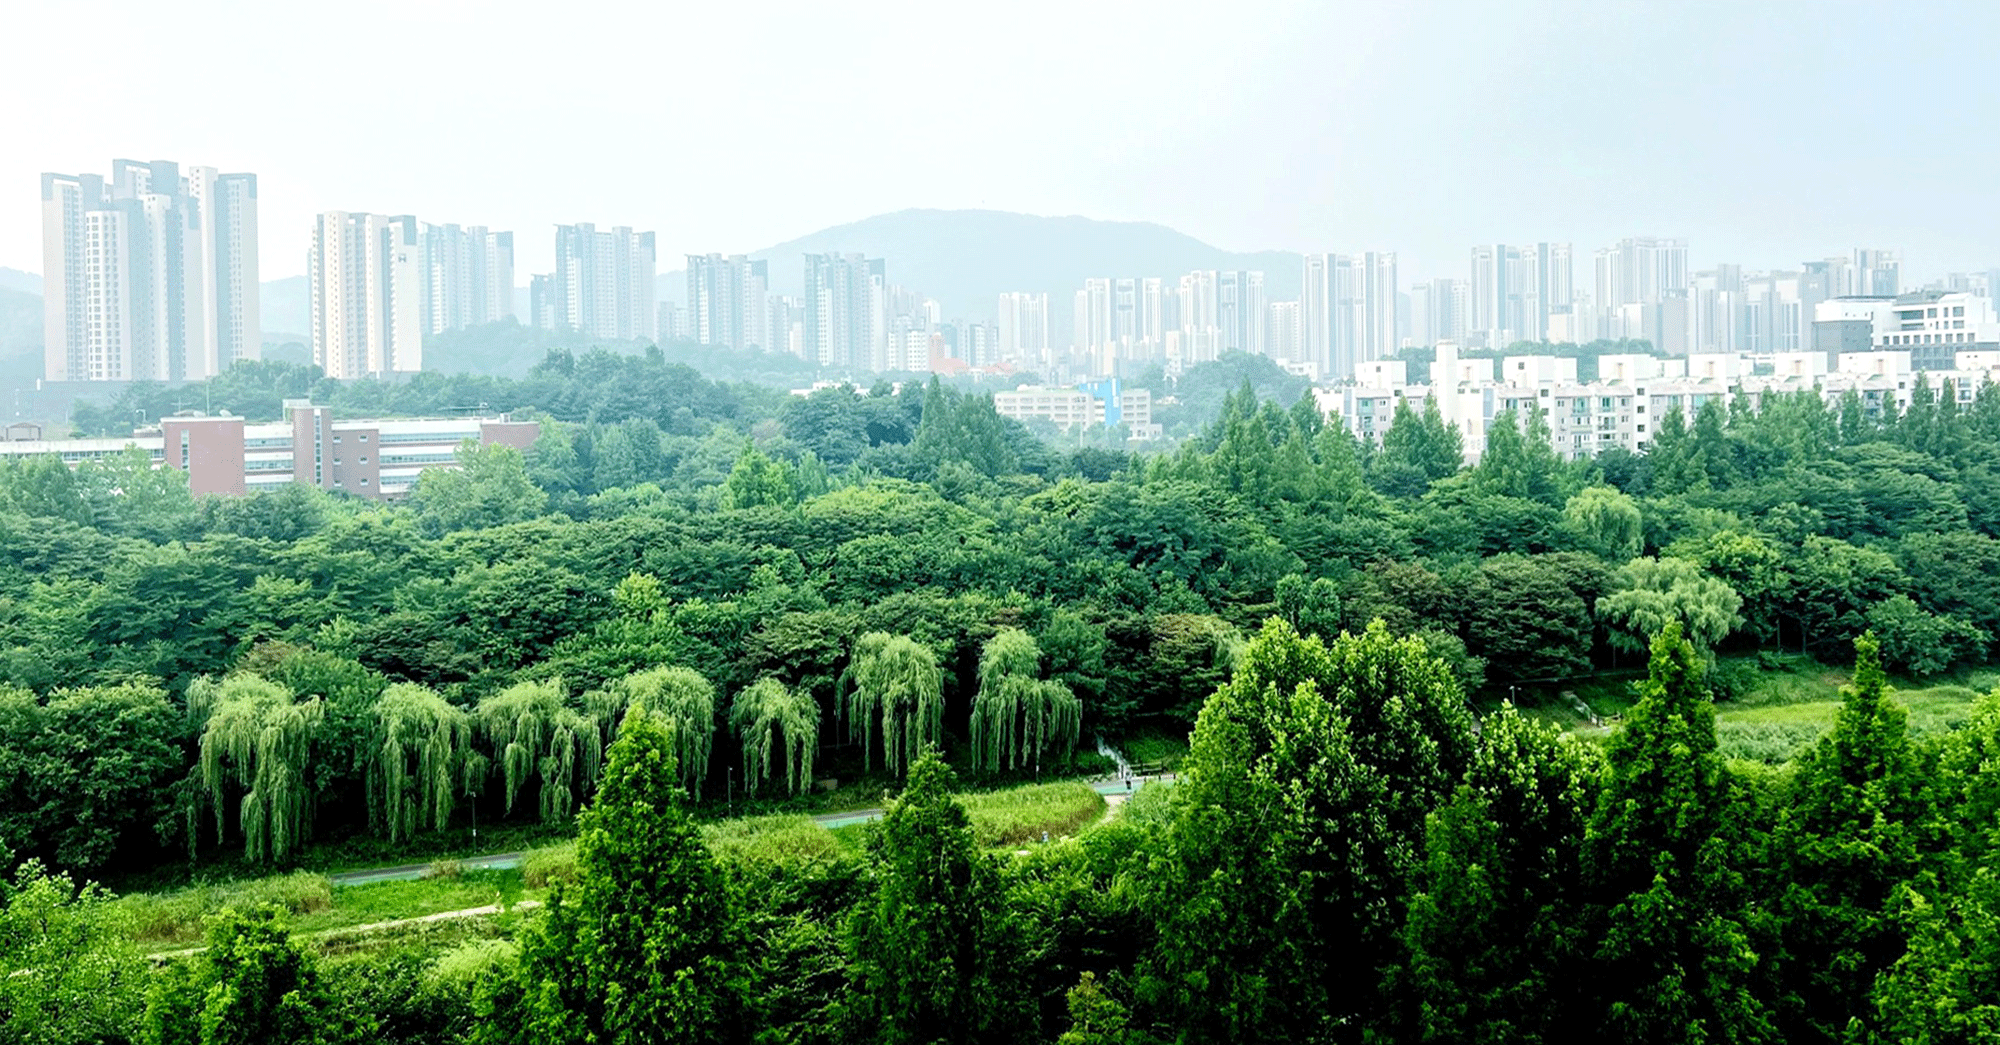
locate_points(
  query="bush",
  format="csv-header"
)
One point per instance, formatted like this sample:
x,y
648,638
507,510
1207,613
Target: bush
x,y
448,869
1092,764
543,867
1735,679
1151,805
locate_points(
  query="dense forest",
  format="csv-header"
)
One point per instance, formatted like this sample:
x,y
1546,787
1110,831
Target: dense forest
x,y
690,590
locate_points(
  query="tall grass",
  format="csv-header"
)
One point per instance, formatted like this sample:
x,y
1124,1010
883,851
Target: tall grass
x,y
1024,814
541,868
770,839
1765,729
177,916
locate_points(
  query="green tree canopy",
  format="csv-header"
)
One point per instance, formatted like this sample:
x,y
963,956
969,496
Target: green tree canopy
x,y
645,948
894,686
773,722
530,728
257,742
1651,593
930,957
423,762
1018,715
683,702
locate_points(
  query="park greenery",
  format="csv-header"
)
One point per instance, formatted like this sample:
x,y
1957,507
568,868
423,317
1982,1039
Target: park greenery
x,y
690,598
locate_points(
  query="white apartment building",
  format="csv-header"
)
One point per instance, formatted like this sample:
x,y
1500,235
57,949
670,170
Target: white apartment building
x,y
727,303
1097,405
1624,407
846,321
150,276
1023,323
603,283
382,285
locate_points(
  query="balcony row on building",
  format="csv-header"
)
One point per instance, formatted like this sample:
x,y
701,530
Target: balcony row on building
x,y
1094,404
1624,406
376,459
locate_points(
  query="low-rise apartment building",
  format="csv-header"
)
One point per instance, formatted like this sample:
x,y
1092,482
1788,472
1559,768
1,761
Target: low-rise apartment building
x,y
376,458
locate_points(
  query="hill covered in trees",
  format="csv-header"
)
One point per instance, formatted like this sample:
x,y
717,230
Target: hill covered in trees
x,y
687,588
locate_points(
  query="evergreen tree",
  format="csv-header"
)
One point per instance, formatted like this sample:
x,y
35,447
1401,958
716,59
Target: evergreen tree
x,y
1851,835
645,948
930,954
1095,1018
1266,931
1494,948
1674,962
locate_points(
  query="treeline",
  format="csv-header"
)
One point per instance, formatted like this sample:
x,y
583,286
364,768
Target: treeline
x,y
680,523
1345,859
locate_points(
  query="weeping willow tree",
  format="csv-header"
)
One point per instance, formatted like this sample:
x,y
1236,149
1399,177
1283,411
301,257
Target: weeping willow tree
x,y
893,681
257,740
421,761
1018,714
772,720
680,699
532,730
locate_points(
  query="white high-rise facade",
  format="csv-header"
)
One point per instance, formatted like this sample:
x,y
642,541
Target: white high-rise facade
x,y
1316,314
468,275
1023,330
603,285
1282,339
381,286
846,311
151,276
727,301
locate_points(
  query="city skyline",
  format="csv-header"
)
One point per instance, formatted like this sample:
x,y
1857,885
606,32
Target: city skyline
x,y
157,273
1575,148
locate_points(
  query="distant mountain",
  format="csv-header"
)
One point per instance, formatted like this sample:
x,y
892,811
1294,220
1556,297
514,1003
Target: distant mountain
x,y
25,282
967,258
285,305
20,339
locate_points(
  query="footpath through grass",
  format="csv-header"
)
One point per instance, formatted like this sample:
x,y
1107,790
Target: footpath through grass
x,y
176,919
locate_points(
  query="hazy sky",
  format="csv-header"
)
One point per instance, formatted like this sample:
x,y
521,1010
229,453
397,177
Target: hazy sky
x,y
1765,133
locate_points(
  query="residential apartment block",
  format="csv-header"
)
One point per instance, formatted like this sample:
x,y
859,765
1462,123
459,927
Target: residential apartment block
x,y
1624,406
149,276
1097,404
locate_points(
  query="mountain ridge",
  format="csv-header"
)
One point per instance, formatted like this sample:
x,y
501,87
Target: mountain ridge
x,y
966,258
963,258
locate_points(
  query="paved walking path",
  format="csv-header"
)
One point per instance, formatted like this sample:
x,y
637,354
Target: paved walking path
x,y
508,861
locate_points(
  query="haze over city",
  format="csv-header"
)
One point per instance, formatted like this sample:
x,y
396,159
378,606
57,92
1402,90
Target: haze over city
x,y
1763,134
